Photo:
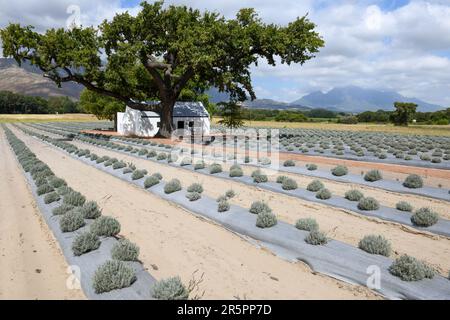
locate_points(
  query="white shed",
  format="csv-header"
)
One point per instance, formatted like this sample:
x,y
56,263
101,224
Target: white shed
x,y
188,118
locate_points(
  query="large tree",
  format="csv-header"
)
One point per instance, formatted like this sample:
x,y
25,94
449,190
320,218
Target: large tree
x,y
158,52
404,112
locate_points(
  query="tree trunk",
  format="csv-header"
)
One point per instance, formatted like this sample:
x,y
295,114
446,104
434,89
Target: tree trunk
x,y
115,122
166,121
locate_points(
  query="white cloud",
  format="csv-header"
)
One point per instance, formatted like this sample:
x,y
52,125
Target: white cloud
x,y
406,49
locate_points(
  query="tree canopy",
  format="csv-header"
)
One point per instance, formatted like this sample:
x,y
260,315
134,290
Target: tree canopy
x,y
403,113
162,50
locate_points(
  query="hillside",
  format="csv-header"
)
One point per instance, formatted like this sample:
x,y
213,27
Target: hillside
x,y
29,80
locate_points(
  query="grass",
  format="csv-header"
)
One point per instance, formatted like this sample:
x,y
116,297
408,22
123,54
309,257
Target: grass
x,y
78,117
411,129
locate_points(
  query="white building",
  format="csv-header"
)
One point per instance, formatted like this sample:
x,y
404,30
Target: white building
x,y
188,118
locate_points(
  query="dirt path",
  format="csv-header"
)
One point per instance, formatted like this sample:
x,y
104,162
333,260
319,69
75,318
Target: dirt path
x,y
173,241
341,225
31,263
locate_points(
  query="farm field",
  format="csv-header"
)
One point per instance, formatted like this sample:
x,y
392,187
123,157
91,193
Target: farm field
x,y
223,222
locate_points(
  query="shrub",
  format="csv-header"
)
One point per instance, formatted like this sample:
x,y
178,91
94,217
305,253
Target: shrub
x,y
74,198
113,275
266,219
127,170
56,182
142,152
39,182
119,165
323,194
105,226
161,156
151,181
307,224
373,175
375,245
91,210
151,154
62,209
186,161
71,221
215,168
413,181
316,237
354,195
221,198
236,171
424,217
409,268
170,289
138,174
157,175
259,177
230,194
311,166
368,204
436,160
289,184
315,186
259,206
51,197
404,206
199,165
195,187
172,186
125,250
223,206
43,189
85,242
280,179
339,171
289,163
193,196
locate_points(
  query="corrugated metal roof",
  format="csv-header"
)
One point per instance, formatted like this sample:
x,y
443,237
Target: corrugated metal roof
x,y
186,109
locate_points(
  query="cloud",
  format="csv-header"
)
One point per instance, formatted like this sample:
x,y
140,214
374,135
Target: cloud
x,y
398,45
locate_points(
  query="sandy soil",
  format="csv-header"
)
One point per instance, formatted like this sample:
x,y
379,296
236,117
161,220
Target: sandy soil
x,y
342,225
174,241
31,263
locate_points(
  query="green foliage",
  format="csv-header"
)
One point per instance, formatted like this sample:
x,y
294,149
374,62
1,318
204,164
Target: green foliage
x,y
266,219
316,237
111,275
56,182
105,226
230,193
151,181
409,268
231,115
404,112
289,184
103,107
223,206
138,174
172,186
85,242
62,209
323,194
125,250
193,196
74,198
91,210
259,177
119,165
354,195
289,163
373,175
170,289
315,186
199,165
339,171
348,120
195,187
375,244
157,175
311,166
51,197
236,171
404,206
71,221
215,168
368,204
307,224
43,189
413,181
259,206
424,217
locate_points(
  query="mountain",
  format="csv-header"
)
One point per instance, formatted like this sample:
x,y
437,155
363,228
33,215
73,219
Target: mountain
x,y
356,99
29,80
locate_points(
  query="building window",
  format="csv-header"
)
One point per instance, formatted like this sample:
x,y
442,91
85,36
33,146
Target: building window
x,y
191,124
158,124
180,125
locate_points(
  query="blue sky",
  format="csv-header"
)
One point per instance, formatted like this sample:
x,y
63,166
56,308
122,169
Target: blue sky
x,y
400,45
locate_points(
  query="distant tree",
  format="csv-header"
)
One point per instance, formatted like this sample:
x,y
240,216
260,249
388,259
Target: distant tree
x,y
62,105
162,50
231,115
404,112
348,120
290,116
320,113
103,107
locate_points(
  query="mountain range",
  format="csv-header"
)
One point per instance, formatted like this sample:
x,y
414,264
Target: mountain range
x,y
28,79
